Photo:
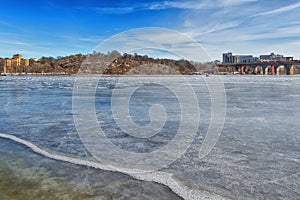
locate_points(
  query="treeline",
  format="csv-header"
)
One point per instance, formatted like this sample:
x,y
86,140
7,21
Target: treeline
x,y
68,65
116,64
112,63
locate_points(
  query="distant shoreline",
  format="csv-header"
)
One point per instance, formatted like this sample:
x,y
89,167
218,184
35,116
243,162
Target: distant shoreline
x,y
122,75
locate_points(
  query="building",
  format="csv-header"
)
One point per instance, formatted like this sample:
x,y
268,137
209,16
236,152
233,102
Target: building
x,y
16,64
16,59
8,62
3,65
246,59
275,58
25,62
230,58
6,65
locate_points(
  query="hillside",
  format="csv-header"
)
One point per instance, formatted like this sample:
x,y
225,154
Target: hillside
x,y
112,63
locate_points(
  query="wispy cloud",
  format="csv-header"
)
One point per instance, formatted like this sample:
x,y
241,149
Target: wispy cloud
x,y
91,39
279,10
234,2
15,42
163,5
8,24
178,4
197,4
244,26
211,29
226,28
280,33
155,39
4,23
110,10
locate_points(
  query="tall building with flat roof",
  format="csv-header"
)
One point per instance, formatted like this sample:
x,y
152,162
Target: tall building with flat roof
x,y
17,59
230,58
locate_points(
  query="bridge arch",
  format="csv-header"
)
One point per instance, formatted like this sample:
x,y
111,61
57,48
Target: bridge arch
x,y
248,69
292,70
281,70
268,70
259,70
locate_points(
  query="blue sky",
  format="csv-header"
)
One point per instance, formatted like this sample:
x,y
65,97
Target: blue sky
x,y
58,28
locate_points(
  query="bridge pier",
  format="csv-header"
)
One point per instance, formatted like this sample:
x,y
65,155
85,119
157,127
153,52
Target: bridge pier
x,y
243,70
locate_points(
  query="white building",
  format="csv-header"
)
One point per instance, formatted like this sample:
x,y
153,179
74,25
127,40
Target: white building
x,y
274,58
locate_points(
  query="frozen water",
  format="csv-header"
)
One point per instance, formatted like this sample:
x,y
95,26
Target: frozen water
x,y
257,156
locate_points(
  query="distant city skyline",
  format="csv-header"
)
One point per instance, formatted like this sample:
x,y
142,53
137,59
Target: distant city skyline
x,y
272,57
59,28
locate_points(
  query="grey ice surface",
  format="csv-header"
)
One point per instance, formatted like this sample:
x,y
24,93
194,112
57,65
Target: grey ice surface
x,y
257,156
258,153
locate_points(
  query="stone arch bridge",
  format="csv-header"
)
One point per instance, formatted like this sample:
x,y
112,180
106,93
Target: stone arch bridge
x,y
261,68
